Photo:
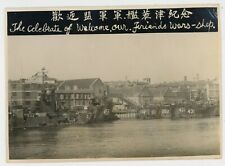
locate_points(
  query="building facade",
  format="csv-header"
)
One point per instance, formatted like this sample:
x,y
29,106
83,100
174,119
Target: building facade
x,y
28,93
212,91
24,95
71,94
145,97
177,95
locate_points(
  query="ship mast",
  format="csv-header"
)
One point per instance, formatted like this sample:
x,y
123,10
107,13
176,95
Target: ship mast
x,y
43,74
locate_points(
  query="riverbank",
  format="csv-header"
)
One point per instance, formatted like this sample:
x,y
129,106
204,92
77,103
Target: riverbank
x,y
124,138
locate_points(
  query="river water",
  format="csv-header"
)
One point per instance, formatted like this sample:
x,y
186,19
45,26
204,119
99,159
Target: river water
x,y
122,138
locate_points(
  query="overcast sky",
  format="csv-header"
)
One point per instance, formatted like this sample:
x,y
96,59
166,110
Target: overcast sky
x,y
163,57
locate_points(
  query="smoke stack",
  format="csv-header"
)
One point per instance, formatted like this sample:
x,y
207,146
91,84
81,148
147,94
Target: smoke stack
x,y
148,80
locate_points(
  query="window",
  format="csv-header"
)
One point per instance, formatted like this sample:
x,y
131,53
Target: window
x,y
15,103
39,97
72,96
61,96
13,86
27,94
26,86
75,87
86,102
67,87
14,94
76,102
27,102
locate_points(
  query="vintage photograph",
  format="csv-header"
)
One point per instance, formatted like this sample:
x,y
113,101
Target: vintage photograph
x,y
113,95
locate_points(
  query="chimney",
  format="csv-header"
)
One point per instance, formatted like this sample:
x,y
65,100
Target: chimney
x,y
149,80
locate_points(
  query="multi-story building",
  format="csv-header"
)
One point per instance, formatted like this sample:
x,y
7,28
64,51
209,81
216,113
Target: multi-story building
x,y
200,90
25,95
145,97
204,90
212,91
71,94
181,94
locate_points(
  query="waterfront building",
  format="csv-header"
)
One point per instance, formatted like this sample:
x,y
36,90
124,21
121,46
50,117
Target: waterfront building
x,y
24,95
204,91
152,95
212,91
177,95
72,94
145,97
158,94
119,104
28,94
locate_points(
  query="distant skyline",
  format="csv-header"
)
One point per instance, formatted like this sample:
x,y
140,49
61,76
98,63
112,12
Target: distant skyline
x,y
162,57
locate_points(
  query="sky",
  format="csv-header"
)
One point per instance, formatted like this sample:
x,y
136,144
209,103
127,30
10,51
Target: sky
x,y
160,56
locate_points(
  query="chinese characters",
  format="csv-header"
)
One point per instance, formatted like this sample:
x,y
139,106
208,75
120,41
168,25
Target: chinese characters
x,y
103,15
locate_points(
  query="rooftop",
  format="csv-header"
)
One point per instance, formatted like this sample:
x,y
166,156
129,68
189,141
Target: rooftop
x,y
80,83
